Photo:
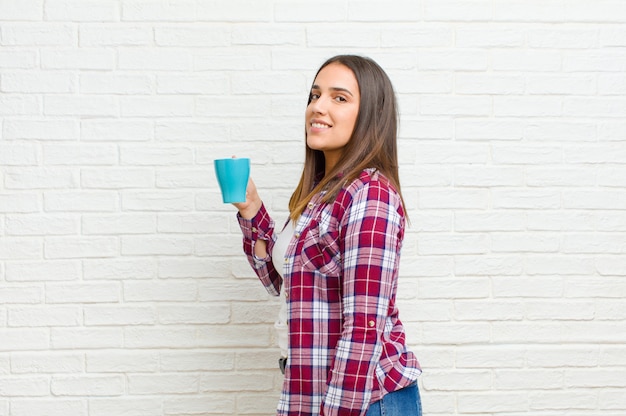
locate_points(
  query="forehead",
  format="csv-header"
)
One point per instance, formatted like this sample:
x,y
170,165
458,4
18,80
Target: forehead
x,y
336,75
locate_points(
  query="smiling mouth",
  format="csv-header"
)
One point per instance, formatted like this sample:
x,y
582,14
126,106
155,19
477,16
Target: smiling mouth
x,y
320,126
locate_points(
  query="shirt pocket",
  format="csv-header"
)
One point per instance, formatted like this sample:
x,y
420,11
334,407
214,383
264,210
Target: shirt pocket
x,y
320,251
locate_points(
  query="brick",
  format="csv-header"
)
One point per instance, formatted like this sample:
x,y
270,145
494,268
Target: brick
x,y
529,11
82,11
493,36
517,60
174,83
56,407
193,36
528,379
118,224
72,59
37,178
612,84
179,314
21,295
100,106
593,61
234,11
193,361
154,10
129,406
83,201
487,129
48,270
222,59
479,83
199,405
86,338
454,10
122,361
351,35
258,34
235,382
458,106
455,288
151,156
138,337
190,131
605,11
82,247
17,59
490,221
38,316
19,249
146,245
528,287
150,59
463,380
40,35
19,105
120,269
115,84
19,203
46,363
192,223
450,59
24,339
117,178
492,357
48,129
163,384
287,11
113,385
28,10
116,34
560,264
488,176
84,293
145,291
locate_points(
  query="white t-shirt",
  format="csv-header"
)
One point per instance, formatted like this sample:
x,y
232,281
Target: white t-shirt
x,y
278,256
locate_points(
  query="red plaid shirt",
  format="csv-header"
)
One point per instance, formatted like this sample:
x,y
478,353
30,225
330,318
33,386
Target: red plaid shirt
x,y
346,344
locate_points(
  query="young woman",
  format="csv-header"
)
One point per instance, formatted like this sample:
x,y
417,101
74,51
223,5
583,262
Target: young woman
x,y
336,260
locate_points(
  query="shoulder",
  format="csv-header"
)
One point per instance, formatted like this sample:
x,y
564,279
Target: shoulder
x,y
370,186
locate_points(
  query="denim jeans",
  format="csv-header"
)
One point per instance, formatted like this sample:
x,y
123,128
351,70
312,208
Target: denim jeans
x,y
404,402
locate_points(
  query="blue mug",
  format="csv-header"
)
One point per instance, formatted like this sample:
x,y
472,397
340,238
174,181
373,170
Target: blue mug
x,y
232,176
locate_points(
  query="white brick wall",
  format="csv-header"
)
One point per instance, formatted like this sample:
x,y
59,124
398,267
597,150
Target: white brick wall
x,y
123,289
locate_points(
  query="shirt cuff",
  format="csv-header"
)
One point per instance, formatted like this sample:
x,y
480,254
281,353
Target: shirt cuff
x,y
258,227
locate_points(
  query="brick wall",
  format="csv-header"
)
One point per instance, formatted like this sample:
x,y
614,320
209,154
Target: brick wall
x,y
123,289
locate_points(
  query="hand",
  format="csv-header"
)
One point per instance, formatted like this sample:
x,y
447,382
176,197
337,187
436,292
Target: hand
x,y
253,202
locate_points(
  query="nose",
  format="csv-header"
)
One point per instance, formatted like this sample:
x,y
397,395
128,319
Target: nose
x,y
318,106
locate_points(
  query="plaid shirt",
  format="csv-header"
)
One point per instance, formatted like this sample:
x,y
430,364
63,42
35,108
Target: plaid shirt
x,y
346,344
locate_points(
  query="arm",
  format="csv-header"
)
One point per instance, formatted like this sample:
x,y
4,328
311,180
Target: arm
x,y
258,230
373,228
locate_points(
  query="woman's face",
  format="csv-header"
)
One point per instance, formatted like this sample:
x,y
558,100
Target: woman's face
x,y
331,115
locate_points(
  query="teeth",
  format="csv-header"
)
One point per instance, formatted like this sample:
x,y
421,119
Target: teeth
x,y
319,125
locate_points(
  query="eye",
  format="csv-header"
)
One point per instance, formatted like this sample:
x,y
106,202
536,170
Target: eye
x,y
313,96
340,99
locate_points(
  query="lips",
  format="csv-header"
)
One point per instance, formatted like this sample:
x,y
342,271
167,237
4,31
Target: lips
x,y
318,124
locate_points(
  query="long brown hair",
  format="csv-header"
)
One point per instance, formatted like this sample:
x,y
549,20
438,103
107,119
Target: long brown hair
x,y
373,143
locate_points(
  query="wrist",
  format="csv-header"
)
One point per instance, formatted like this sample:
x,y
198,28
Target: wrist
x,y
251,210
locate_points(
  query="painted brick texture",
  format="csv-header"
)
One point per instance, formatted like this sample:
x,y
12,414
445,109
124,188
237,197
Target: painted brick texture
x,y
123,287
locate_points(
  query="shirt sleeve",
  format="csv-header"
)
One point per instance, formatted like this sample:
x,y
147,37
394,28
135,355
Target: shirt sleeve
x,y
261,227
374,227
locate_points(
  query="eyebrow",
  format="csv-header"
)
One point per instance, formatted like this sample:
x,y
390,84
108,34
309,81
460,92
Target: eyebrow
x,y
317,87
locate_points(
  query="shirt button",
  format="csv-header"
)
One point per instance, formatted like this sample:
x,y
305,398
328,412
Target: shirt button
x,y
371,324
286,295
254,230
286,260
310,205
297,235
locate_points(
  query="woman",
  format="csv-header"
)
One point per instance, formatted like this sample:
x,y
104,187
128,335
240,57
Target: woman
x,y
336,260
